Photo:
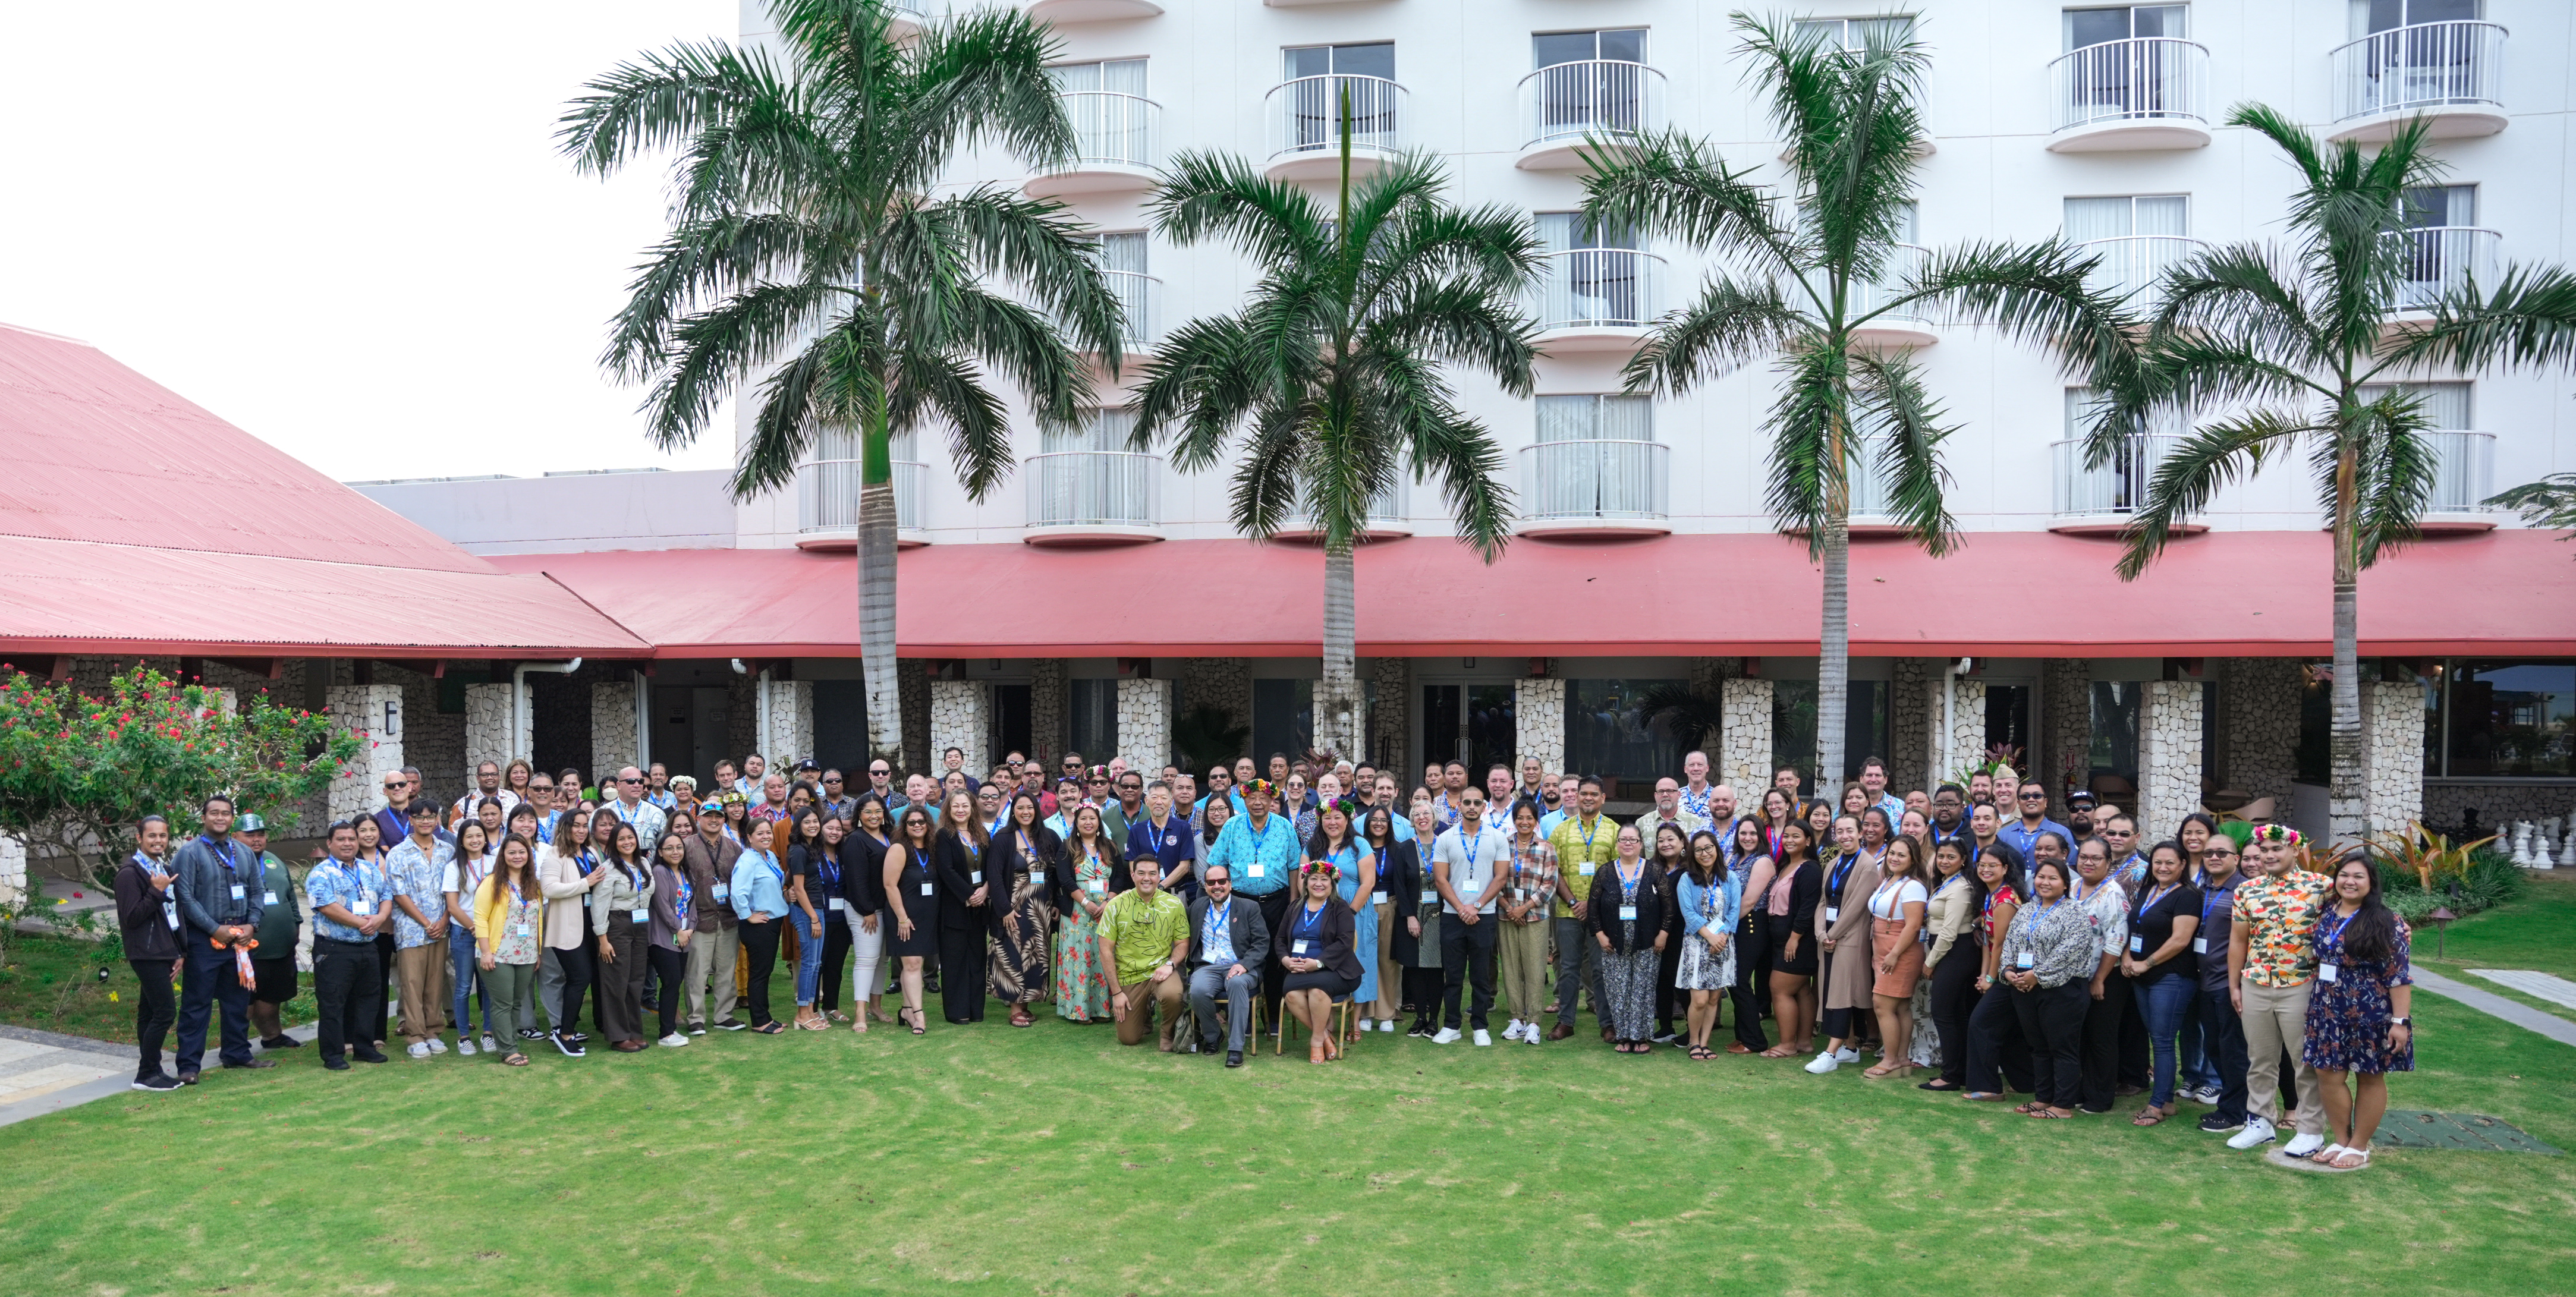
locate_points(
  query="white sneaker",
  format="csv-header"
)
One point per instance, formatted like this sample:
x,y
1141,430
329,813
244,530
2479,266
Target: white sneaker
x,y
418,1050
2256,1134
1825,1062
436,1046
490,1046
1484,1037
2302,1145
1386,1024
1446,1036
674,1040
465,1047
1531,1036
1846,1054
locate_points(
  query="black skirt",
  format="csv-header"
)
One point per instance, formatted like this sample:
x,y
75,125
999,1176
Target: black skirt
x,y
1802,966
1332,984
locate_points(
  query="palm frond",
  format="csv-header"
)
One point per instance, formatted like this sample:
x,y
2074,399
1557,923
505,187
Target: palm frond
x,y
1730,325
2194,470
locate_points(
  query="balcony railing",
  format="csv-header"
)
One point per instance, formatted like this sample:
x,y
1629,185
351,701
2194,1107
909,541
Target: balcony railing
x,y
1599,98
2464,471
2131,80
1598,288
1110,129
1869,490
2426,66
1903,261
2118,487
2439,258
1305,115
1595,479
1135,293
2132,264
1092,488
827,495
1386,512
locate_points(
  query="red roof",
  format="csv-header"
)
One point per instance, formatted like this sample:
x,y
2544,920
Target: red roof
x,y
132,521
2252,593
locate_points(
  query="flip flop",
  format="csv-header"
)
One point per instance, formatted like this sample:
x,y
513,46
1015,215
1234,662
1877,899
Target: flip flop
x,y
2326,1156
769,1029
514,1059
2045,1114
2361,1158
2148,1116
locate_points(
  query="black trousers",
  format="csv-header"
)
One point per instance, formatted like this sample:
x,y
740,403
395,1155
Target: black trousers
x,y
2052,1018
962,979
2222,1042
836,959
384,985
1274,907
1996,1042
1752,989
580,967
348,993
156,1010
1467,952
1954,997
2099,1047
208,981
1669,1000
670,969
1422,986
760,946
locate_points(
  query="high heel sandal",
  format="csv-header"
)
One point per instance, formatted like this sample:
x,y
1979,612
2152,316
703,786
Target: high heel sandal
x,y
917,1022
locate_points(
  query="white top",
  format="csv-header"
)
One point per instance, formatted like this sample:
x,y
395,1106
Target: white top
x,y
1888,902
1472,862
463,886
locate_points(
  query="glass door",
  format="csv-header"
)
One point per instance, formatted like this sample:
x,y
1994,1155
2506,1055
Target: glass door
x,y
1473,723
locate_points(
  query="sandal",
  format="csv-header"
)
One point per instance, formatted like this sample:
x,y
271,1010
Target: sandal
x,y
2050,1114
859,1028
1315,1053
1879,1073
2326,1156
837,1016
2360,1157
2148,1116
1934,1085
514,1059
1021,1018
1702,1053
769,1029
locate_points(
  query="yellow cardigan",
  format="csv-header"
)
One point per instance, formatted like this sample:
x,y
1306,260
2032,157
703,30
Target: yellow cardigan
x,y
491,905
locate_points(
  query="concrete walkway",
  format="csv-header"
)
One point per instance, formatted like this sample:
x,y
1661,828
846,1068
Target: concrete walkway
x,y
2494,1005
42,1071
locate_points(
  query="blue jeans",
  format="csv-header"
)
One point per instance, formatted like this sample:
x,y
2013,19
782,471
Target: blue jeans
x,y
2163,1003
467,977
2222,1042
809,954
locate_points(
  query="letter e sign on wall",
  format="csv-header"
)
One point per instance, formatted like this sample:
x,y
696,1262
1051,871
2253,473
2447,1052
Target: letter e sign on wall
x,y
392,728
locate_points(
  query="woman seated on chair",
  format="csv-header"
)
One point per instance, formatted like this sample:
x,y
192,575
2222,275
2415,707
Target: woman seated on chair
x,y
1314,945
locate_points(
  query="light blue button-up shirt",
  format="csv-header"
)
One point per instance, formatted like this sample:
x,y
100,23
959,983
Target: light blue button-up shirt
x,y
1273,853
360,886
1216,937
422,876
759,886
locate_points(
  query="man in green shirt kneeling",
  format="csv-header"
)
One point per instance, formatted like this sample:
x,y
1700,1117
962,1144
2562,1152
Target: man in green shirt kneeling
x,y
1143,936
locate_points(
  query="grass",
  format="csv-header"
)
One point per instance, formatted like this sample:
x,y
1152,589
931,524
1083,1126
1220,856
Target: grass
x,y
52,984
987,1160
2537,932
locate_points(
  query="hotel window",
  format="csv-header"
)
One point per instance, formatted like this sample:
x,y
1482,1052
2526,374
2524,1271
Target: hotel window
x,y
1606,733
1094,707
2089,27
2370,16
2501,720
1854,33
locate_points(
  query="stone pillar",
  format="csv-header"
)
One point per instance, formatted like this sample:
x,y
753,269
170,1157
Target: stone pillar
x,y
2258,728
2168,758
1538,721
612,730
1967,734
1145,725
961,717
1744,737
1392,717
791,723
487,726
2392,736
2065,730
1050,710
1909,728
13,869
374,714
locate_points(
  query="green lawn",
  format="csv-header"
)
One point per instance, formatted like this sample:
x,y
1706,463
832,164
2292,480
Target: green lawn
x,y
52,984
988,1160
2537,932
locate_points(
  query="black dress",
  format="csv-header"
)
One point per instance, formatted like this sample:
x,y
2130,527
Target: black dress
x,y
923,908
1805,887
963,928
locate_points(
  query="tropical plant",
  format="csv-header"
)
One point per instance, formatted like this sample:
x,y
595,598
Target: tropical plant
x,y
1681,713
2281,348
1332,367
2429,856
2549,502
1805,272
807,246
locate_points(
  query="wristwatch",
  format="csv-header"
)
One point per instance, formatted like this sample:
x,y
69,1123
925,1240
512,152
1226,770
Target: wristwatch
x,y
2401,1022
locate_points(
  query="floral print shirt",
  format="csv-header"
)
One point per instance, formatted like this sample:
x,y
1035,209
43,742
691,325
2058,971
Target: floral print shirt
x,y
2279,917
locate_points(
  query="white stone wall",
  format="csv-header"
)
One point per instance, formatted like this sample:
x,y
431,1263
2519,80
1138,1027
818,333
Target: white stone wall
x,y
13,869
612,730
1538,715
1967,744
2168,757
960,717
487,726
791,722
1145,725
1744,735
374,714
2392,724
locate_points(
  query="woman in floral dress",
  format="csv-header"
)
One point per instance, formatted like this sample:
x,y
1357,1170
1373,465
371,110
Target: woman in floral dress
x,y
1090,864
2358,1028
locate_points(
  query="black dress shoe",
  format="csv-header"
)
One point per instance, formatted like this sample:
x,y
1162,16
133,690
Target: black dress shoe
x,y
1234,1058
187,1078
281,1042
256,1062
335,1064
370,1056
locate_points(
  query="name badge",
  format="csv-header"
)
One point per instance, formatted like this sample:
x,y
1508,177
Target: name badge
x,y
237,891
268,898
925,889
585,902
1298,948
1587,868
1833,914
1377,897
2024,960
522,930
1096,886
833,904
2200,945
2137,945
722,891
975,876
2326,973
1258,869
1627,913
362,908
1430,897
639,916
170,914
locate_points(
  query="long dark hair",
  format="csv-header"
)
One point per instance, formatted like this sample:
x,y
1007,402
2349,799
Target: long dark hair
x,y
1377,842
2372,935
1705,876
2010,858
1319,847
903,831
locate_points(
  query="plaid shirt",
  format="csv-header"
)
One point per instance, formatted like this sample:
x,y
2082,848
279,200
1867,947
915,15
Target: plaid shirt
x,y
2279,919
1530,874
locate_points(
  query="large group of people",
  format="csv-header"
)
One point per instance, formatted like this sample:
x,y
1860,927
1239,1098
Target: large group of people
x,y
1957,932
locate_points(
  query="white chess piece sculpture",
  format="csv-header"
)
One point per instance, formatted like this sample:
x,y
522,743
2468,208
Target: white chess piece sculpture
x,y
2567,853
2541,850
2521,849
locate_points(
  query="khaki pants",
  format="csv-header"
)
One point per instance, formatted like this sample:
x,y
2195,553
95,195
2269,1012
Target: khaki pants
x,y
1144,998
1523,960
422,973
2276,1017
711,953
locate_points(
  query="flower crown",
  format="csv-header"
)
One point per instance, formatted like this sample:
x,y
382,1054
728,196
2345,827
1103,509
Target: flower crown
x,y
1324,867
1349,806
2277,833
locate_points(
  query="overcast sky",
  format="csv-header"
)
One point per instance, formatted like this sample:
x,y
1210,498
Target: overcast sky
x,y
342,227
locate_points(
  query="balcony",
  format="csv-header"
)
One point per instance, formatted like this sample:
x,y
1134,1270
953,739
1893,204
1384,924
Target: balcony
x,y
1868,516
2464,476
2100,501
1091,497
2146,93
2133,265
1113,143
827,504
906,17
1090,11
1591,488
2440,258
1386,518
1596,299
1304,125
2451,73
1593,103
1904,327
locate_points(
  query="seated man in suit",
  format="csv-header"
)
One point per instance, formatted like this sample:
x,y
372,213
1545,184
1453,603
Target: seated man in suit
x,y
1228,946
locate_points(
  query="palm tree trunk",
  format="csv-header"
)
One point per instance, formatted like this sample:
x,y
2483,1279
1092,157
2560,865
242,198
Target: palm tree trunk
x,y
1833,659
2348,804
876,590
1337,698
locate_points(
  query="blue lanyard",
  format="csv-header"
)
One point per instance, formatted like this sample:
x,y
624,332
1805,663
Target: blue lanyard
x,y
2214,899
1842,871
1153,837
831,871
223,851
2335,938
1472,848
1309,920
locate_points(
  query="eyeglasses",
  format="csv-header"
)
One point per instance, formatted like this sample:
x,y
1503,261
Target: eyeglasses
x,y
2030,797
2218,851
831,779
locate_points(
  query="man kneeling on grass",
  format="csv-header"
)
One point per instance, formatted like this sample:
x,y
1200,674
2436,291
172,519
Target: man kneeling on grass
x,y
1143,936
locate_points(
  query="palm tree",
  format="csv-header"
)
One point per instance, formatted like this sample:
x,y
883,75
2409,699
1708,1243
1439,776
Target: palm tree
x,y
1799,286
1332,367
2280,346
806,242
